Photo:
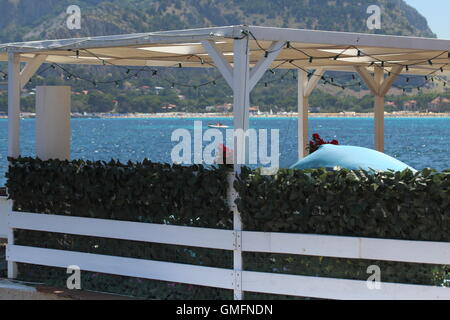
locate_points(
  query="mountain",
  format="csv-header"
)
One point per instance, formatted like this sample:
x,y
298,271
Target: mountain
x,y
46,19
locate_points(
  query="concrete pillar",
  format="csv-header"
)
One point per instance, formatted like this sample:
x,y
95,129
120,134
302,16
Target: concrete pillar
x,y
53,132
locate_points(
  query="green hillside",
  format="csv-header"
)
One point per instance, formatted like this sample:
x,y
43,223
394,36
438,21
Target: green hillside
x,y
31,19
46,19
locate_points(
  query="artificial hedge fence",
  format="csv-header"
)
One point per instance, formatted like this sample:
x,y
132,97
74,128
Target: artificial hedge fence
x,y
406,205
393,205
143,192
140,192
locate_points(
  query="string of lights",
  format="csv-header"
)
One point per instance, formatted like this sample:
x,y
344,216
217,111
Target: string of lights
x,y
381,63
155,72
429,77
131,73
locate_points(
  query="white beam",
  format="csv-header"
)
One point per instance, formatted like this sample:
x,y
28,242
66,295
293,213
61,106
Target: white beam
x,y
347,39
261,67
219,60
302,114
387,83
13,105
30,69
313,81
368,79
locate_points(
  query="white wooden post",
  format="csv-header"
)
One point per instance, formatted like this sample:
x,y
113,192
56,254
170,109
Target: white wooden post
x,y
241,80
30,69
241,98
13,133
241,104
12,266
305,88
379,87
302,114
379,111
13,105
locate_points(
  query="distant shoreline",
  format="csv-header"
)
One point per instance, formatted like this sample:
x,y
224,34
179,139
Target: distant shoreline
x,y
229,115
279,115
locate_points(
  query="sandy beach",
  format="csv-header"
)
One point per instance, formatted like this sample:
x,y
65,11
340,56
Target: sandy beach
x,y
253,115
279,115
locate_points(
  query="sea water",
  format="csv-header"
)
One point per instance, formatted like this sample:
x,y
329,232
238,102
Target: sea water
x,y
419,142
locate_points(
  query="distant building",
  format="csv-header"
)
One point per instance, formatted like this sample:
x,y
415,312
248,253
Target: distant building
x,y
227,107
437,104
168,107
254,109
145,89
410,105
158,89
391,104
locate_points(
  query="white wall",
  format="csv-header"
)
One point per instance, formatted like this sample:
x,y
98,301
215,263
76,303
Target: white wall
x,y
53,132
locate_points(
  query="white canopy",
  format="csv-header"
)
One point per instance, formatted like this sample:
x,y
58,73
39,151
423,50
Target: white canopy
x,y
172,47
242,54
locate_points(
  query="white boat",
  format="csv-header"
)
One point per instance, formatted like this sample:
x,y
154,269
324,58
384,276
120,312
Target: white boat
x,y
218,126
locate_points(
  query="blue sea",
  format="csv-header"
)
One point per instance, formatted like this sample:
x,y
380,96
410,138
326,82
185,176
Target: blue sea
x,y
419,142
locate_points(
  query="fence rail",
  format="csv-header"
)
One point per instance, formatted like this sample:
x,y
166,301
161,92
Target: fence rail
x,y
237,241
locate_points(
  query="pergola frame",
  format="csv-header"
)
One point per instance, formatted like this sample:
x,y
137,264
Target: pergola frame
x,y
236,52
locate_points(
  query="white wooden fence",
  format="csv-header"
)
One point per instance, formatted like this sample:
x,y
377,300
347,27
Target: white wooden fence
x,y
237,241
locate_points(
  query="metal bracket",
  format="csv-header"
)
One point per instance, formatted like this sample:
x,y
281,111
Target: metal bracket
x,y
237,282
237,243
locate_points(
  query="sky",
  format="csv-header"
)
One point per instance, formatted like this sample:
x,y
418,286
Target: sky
x,y
437,14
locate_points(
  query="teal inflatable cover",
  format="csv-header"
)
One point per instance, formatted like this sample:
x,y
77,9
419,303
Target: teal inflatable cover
x,y
350,157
